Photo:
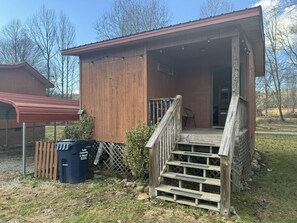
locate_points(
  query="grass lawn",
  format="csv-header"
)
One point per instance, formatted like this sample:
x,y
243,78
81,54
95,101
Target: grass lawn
x,y
49,132
103,199
272,196
273,124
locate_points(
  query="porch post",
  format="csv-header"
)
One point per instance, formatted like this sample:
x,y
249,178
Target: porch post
x,y
33,137
235,64
226,161
24,148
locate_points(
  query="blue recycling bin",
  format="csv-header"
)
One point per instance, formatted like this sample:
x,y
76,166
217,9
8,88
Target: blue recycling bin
x,y
73,160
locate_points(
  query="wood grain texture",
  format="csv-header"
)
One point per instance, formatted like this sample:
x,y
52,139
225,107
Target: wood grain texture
x,y
46,160
235,64
113,91
251,97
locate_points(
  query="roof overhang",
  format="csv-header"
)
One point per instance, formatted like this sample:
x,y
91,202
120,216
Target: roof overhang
x,y
249,20
30,69
30,108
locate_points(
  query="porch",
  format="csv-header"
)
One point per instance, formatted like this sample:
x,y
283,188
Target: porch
x,y
192,162
200,72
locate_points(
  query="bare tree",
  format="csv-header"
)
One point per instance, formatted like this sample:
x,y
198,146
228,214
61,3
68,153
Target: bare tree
x,y
65,39
273,59
215,7
131,16
15,45
43,31
288,35
264,91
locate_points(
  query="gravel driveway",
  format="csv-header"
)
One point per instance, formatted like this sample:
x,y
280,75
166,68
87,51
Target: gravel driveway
x,y
11,160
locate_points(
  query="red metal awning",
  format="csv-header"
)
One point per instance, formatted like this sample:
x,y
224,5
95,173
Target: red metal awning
x,y
31,108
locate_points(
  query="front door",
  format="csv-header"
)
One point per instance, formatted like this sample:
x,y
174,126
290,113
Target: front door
x,y
221,92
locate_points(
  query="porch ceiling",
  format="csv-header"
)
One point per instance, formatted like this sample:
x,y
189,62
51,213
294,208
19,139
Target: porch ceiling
x,y
196,51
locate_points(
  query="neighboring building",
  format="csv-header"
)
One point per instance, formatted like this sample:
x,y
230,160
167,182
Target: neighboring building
x,y
210,63
21,78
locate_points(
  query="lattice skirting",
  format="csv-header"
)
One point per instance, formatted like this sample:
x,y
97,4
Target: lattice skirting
x,y
241,165
113,157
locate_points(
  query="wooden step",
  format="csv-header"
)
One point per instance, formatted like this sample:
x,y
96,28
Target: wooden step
x,y
196,143
198,154
201,138
194,165
191,178
189,193
189,203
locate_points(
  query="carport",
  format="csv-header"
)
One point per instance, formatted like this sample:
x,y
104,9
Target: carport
x,y
33,109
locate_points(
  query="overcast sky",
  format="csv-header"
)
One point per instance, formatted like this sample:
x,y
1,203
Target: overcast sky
x,y
83,13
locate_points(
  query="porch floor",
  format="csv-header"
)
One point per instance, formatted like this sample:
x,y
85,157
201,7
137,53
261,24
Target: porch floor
x,y
210,136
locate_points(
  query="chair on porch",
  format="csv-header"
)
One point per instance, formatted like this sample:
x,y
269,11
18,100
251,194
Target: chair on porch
x,y
188,114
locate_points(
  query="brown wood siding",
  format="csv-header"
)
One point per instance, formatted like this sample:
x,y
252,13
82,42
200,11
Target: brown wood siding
x,y
20,81
160,85
114,92
195,85
251,98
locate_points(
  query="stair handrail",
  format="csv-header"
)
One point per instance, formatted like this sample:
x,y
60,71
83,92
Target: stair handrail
x,y
236,121
163,141
226,152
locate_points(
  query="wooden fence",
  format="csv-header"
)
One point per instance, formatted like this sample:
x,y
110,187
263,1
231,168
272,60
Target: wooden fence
x,y
46,160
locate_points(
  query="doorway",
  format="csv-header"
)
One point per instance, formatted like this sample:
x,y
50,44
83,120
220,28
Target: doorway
x,y
221,95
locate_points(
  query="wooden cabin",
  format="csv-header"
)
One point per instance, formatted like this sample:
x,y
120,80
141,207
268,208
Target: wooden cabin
x,y
197,80
21,78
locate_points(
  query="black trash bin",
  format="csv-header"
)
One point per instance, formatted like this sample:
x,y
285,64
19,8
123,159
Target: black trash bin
x,y
73,159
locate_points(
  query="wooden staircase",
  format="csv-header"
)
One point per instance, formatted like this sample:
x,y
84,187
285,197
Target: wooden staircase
x,y
194,167
192,174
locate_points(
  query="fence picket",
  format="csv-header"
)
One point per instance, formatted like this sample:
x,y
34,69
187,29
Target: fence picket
x,y
46,160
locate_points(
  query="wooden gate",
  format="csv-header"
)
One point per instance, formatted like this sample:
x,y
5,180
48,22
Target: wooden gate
x,y
46,160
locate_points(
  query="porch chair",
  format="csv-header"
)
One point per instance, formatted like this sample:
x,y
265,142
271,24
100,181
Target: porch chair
x,y
186,114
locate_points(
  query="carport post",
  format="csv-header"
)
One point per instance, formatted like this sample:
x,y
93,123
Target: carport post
x,y
6,132
55,131
24,148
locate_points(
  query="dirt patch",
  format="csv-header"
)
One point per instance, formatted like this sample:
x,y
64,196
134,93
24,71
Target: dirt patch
x,y
162,215
11,159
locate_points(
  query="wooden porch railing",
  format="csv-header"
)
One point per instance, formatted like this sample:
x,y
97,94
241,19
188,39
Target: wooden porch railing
x,y
236,122
163,141
158,108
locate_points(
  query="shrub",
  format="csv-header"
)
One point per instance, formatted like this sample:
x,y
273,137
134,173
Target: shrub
x,y
136,156
82,130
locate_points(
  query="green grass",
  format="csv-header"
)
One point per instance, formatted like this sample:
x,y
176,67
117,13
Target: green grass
x,y
49,132
273,124
272,196
102,200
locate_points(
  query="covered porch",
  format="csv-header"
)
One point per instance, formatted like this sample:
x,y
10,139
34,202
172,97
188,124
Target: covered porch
x,y
200,70
204,133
